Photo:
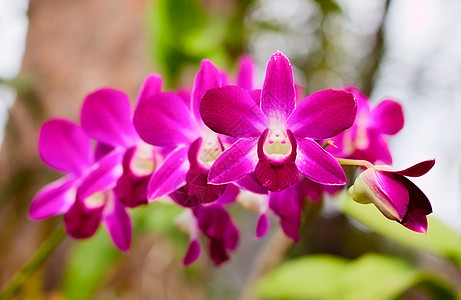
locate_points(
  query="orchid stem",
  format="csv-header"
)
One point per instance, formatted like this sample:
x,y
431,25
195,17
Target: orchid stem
x,y
354,162
47,247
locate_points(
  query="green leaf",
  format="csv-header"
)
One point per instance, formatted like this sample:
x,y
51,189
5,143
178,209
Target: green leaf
x,y
309,277
372,276
89,262
440,239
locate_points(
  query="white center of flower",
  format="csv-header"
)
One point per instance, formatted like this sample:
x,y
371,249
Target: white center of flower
x,y
209,151
96,200
277,144
143,161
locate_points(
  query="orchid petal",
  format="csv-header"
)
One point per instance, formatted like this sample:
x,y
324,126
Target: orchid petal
x,y
278,93
388,117
234,163
416,170
53,199
151,86
287,207
317,164
323,114
276,175
229,195
82,222
106,117
262,226
245,73
103,175
386,191
102,150
377,150
215,222
165,120
118,223
193,252
363,104
170,176
250,183
256,96
231,111
418,208
208,76
218,252
131,189
64,146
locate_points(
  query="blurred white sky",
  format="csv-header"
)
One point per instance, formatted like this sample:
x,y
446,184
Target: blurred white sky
x,y
421,69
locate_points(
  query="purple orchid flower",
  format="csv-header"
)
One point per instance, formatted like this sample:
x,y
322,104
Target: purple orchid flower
x,y
366,139
216,224
394,195
106,117
166,120
85,195
275,140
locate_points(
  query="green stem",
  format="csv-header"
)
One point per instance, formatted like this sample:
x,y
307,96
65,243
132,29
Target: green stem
x,y
354,162
17,281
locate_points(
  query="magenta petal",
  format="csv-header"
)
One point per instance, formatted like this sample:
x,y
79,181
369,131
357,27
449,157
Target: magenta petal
x,y
218,252
82,222
245,73
250,183
216,224
396,192
229,195
231,111
152,86
388,117
64,146
256,96
118,223
103,175
53,199
208,76
234,163
377,150
170,176
131,189
323,114
287,206
418,208
278,98
165,120
276,175
318,165
197,188
193,252
106,117
417,170
262,226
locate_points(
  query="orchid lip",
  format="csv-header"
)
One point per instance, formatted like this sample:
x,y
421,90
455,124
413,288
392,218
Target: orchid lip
x,y
277,145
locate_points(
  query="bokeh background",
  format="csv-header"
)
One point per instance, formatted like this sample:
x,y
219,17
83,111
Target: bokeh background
x,y
53,53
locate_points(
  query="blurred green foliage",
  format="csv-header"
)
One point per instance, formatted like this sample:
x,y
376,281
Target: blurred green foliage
x,y
183,32
439,240
371,276
93,259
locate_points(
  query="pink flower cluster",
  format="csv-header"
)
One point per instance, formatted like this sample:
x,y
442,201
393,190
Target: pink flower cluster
x,y
202,148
